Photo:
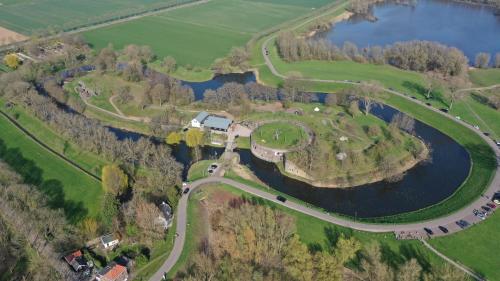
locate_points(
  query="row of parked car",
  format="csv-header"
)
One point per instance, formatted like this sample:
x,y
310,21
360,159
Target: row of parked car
x,y
481,213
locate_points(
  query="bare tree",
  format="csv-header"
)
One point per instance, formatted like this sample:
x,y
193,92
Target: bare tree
x,y
482,60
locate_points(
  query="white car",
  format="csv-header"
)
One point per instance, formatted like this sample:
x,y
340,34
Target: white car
x,y
496,201
458,117
476,127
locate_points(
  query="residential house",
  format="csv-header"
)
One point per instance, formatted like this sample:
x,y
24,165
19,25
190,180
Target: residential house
x,y
197,122
76,260
113,272
109,241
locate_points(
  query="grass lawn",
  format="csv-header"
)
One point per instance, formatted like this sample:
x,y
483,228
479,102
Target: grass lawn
x,y
200,34
475,247
485,77
67,187
476,113
279,135
315,233
28,16
89,161
199,170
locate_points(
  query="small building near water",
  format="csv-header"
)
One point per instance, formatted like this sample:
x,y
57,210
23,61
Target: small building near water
x,y
212,122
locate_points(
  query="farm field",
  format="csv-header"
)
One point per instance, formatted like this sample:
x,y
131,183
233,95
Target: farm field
x,y
200,34
77,193
29,16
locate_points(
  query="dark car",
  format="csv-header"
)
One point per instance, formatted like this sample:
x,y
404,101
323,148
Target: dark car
x,y
445,110
462,224
486,134
281,198
428,104
186,190
428,230
213,166
443,229
414,97
487,209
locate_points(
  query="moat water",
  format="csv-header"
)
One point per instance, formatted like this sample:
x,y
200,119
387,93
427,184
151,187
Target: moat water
x,y
422,186
470,28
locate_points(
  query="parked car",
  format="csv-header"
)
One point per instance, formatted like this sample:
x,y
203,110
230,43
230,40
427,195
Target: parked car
x,y
210,171
458,117
445,110
281,198
414,97
443,229
428,104
479,214
428,230
462,224
186,190
214,166
496,201
476,127
491,205
487,209
497,142
486,134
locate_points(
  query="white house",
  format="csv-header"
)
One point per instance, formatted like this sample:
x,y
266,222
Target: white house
x,y
197,122
109,241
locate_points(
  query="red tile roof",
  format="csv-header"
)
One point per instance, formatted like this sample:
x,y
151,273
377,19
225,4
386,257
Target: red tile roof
x,y
69,258
115,272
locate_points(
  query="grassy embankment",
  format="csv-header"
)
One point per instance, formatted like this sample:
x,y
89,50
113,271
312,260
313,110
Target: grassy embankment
x,y
67,187
202,33
315,233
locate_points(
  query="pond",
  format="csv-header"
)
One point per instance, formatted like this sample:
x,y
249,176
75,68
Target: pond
x,y
470,28
218,81
422,186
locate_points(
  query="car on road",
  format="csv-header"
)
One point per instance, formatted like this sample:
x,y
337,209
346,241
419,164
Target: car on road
x,y
486,134
445,110
476,127
496,201
214,166
486,208
458,117
498,142
210,171
281,198
414,97
186,190
443,229
491,205
428,104
429,231
479,214
462,224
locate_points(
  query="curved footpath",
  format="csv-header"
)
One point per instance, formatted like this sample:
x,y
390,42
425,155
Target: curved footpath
x,y
449,220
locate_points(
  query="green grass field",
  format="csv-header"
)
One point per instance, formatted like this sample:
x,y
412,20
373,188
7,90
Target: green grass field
x,y
200,34
279,135
67,187
29,16
485,77
475,247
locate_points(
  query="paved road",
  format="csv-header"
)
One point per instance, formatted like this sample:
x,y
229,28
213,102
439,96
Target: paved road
x,y
448,221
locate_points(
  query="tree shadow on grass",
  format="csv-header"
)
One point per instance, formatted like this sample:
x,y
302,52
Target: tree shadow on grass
x,y
52,188
409,251
419,89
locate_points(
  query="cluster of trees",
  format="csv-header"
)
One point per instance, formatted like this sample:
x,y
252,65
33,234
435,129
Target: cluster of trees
x,y
31,232
237,60
364,7
413,55
90,135
483,60
254,242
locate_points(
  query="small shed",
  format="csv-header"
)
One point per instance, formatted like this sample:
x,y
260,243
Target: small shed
x,y
218,123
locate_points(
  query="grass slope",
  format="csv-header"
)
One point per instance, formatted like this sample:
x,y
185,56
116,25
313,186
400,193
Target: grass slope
x,y
79,194
475,247
485,77
289,135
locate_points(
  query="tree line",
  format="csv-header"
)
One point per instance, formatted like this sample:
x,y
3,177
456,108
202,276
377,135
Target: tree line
x,y
419,56
32,232
249,241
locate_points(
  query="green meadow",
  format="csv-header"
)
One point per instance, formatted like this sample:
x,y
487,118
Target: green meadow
x,y
198,35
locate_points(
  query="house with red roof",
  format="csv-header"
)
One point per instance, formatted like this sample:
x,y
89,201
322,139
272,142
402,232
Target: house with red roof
x,y
113,272
76,260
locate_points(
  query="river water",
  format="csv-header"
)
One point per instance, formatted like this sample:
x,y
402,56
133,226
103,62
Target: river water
x,y
470,28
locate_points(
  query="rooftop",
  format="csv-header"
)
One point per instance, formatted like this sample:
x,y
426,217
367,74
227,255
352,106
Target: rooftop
x,y
217,122
113,271
201,116
107,238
